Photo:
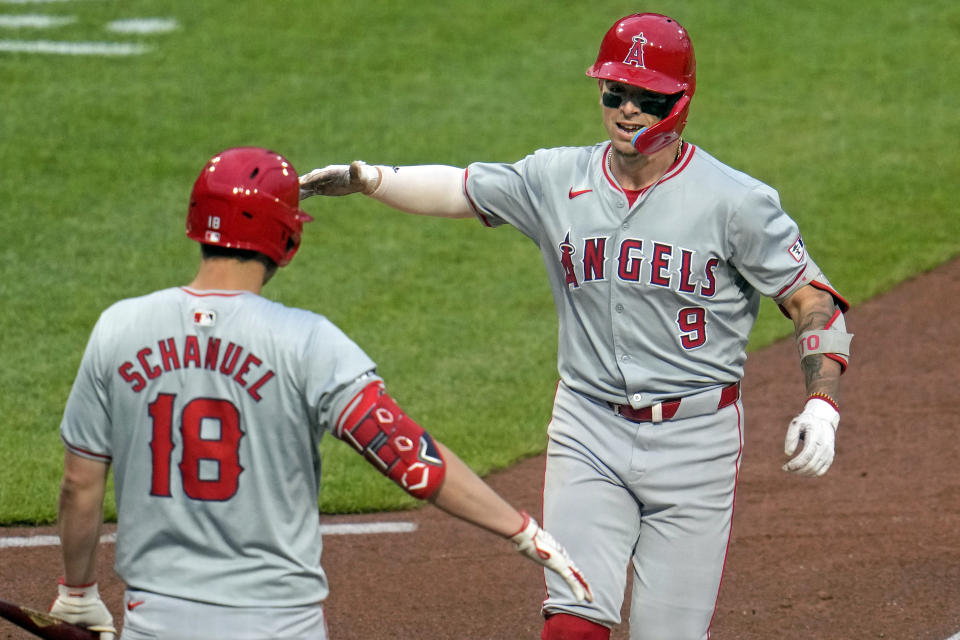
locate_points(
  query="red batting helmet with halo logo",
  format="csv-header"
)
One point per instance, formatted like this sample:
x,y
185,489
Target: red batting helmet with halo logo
x,y
248,198
651,51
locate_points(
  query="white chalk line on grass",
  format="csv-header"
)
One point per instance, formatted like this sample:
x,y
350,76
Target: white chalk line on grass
x,y
133,25
34,21
341,529
143,25
73,48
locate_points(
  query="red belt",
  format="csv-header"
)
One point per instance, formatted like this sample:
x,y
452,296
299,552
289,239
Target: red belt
x,y
669,408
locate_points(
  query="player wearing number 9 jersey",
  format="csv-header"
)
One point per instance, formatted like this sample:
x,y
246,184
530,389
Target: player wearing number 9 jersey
x,y
209,401
657,255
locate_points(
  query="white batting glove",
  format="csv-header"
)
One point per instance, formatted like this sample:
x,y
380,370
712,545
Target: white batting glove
x,y
539,546
816,426
82,606
339,180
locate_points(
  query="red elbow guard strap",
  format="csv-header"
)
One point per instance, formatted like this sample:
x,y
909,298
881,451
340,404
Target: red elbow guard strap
x,y
375,426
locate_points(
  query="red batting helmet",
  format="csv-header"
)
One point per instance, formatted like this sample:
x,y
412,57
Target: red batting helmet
x,y
248,198
654,52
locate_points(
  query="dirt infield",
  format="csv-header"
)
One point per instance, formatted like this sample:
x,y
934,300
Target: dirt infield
x,y
871,550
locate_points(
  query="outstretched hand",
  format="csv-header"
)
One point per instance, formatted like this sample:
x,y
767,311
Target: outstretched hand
x,y
339,180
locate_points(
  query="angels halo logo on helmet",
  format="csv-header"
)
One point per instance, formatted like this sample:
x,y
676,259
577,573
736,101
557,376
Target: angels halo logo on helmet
x,y
248,198
651,51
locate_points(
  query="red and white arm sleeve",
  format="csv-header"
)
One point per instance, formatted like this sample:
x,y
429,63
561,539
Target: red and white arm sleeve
x,y
398,447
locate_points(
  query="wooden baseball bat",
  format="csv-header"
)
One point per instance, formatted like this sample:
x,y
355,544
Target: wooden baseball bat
x,y
43,624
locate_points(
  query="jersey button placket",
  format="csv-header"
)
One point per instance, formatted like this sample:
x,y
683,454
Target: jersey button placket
x,y
619,320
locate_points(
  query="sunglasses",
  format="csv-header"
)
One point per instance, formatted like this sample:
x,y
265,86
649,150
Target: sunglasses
x,y
655,104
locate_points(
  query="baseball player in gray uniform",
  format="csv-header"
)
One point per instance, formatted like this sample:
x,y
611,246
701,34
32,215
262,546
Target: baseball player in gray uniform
x,y
209,402
658,255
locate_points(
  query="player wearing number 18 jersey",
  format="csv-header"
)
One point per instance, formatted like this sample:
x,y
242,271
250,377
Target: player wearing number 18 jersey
x,y
210,401
204,383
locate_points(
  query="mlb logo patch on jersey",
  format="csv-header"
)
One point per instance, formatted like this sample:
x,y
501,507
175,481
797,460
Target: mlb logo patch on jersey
x,y
203,318
797,250
211,236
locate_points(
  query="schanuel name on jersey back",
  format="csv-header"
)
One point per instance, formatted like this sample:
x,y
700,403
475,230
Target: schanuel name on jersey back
x,y
231,360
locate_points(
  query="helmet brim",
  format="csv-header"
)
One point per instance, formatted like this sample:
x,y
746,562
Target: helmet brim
x,y
644,78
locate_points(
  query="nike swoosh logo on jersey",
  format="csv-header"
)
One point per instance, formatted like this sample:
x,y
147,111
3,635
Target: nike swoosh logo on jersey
x,y
133,605
573,194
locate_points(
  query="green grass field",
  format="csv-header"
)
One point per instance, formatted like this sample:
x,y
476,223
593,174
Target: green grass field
x,y
848,109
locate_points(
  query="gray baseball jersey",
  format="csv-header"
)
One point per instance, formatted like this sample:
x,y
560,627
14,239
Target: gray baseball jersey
x,y
656,293
210,406
657,299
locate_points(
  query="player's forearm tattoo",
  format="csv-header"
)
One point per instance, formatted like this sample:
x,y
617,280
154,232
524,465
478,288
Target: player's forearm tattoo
x,y
820,377
821,374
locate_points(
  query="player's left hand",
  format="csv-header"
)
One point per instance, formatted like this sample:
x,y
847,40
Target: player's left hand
x,y
816,426
540,546
82,606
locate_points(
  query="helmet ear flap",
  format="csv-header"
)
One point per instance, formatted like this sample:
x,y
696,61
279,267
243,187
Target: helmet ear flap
x,y
291,248
665,132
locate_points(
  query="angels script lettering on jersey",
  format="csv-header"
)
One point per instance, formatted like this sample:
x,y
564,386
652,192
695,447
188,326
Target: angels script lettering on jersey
x,y
231,360
664,261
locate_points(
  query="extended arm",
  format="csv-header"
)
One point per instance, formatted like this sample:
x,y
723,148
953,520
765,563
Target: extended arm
x,y
464,495
824,349
398,447
429,190
80,514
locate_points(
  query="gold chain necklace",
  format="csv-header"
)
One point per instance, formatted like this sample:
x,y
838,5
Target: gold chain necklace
x,y
610,156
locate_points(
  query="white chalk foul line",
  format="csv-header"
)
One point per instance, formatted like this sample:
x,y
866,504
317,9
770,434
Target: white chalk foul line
x,y
73,48
34,21
342,529
143,25
30,541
